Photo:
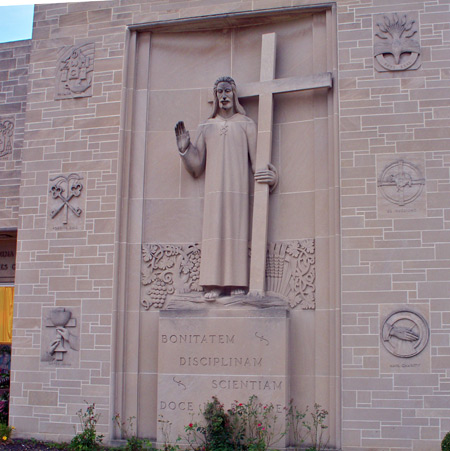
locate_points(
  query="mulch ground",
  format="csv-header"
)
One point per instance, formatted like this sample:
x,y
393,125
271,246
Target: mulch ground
x,y
19,444
25,445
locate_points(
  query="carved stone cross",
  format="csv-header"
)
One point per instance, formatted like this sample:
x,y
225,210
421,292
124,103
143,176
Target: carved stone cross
x,y
60,319
265,89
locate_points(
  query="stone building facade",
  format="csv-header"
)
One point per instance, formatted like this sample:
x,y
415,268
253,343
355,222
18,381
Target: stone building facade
x,y
87,110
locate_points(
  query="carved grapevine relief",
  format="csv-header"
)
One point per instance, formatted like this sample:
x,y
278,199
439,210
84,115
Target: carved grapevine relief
x,y
401,182
395,47
169,269
74,72
6,136
175,269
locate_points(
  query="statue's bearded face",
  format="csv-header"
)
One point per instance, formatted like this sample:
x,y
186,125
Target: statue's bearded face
x,y
225,95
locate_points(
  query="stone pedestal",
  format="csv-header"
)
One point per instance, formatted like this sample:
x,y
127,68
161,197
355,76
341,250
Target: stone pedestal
x,y
231,354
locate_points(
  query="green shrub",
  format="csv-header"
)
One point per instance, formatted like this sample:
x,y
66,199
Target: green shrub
x,y
245,427
445,445
87,439
252,426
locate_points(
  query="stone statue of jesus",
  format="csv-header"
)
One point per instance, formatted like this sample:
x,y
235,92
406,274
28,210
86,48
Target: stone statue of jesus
x,y
225,148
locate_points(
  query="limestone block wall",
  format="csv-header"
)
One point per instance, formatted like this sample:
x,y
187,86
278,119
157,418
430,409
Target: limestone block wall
x,y
14,59
391,258
66,252
394,256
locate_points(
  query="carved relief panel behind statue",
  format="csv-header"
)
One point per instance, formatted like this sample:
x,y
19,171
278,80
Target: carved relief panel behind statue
x,y
66,202
401,186
171,272
396,42
74,72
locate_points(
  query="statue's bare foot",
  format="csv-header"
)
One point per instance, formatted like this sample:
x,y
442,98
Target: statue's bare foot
x,y
238,292
212,295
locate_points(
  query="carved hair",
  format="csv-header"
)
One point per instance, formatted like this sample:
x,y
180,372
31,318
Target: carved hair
x,y
237,106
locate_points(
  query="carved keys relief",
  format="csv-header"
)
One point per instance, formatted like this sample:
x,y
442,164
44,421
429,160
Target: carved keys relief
x,y
396,42
169,269
74,72
66,202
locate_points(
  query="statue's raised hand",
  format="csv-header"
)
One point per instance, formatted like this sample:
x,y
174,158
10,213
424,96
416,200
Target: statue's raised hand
x,y
182,135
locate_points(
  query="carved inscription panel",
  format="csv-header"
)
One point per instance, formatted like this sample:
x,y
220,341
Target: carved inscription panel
x,y
229,354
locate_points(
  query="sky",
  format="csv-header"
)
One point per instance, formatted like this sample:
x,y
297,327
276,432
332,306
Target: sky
x,y
16,22
16,18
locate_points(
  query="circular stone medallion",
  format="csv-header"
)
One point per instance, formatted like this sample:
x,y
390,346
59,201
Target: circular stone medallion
x,y
405,333
401,182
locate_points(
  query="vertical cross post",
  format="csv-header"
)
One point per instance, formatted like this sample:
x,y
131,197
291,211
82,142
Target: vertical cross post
x,y
263,158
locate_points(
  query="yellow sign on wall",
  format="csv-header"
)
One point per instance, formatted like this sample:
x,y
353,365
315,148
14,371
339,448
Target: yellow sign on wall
x,y
6,314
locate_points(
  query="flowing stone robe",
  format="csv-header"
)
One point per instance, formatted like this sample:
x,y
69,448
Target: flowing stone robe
x,y
224,149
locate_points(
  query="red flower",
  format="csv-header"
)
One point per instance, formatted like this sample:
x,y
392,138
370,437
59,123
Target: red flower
x,y
191,425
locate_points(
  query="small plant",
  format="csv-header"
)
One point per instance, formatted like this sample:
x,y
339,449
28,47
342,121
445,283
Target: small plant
x,y
165,426
5,433
134,443
254,424
445,444
87,439
307,428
